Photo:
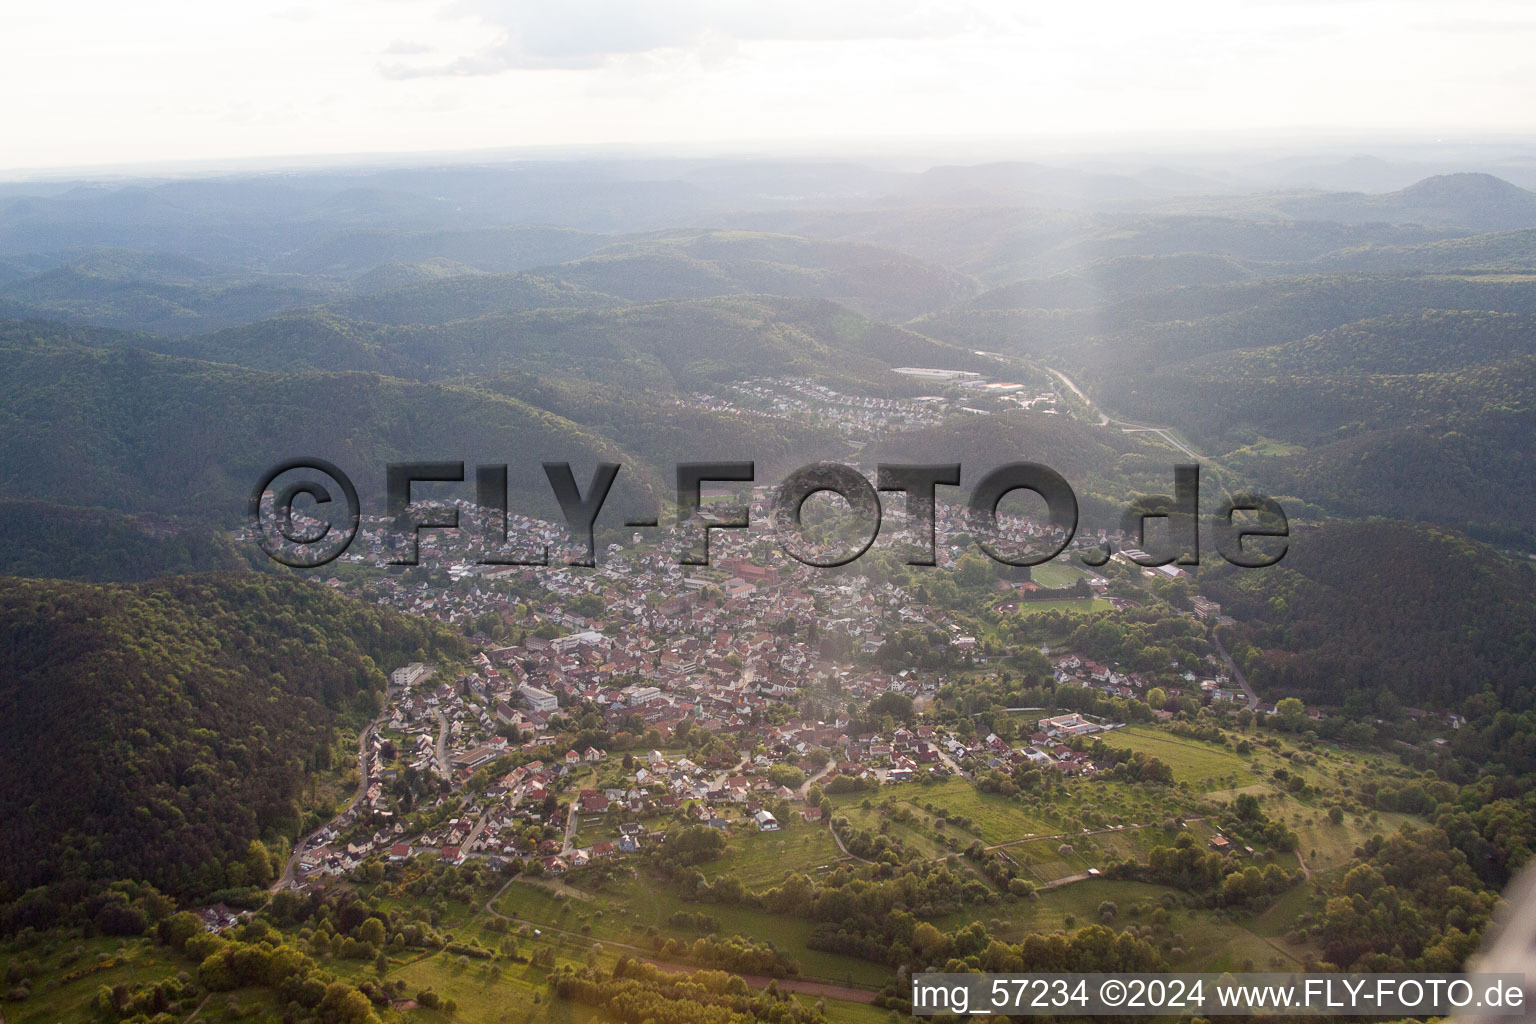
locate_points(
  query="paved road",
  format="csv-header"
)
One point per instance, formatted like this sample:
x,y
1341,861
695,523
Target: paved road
x,y
474,833
1164,434
1237,673
1127,427
950,762
362,787
805,787
1167,437
1103,419
286,879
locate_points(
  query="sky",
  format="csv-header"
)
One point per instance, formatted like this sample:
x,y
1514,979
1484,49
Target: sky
x,y
103,83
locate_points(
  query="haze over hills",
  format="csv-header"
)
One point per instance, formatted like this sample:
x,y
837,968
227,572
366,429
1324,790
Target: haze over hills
x,y
426,276
838,773
1479,202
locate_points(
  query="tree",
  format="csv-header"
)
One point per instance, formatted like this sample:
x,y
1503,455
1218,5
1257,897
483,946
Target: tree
x,y
371,931
258,863
1157,697
1292,712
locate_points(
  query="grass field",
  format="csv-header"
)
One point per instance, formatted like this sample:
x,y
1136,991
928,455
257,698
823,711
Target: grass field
x,y
1205,766
761,859
1269,446
76,970
1056,575
517,996
1200,940
994,818
1327,846
623,915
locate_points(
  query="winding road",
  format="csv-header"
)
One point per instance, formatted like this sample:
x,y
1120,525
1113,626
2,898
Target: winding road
x,y
286,879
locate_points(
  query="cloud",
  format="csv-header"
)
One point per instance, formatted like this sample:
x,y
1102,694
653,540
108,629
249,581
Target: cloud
x,y
406,48
587,34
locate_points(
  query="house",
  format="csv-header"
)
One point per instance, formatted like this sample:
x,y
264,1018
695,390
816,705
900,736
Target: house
x,y
766,822
629,844
451,855
399,852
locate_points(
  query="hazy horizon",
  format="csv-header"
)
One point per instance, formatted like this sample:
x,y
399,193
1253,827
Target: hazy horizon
x,y
180,82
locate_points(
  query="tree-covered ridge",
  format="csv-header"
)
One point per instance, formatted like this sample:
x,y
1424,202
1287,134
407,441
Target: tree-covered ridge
x,y
73,543
873,279
1361,613
1155,331
667,343
131,430
1419,416
153,731
460,296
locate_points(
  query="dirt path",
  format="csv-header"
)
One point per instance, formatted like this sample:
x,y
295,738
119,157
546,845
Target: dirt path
x,y
1057,883
441,756
839,841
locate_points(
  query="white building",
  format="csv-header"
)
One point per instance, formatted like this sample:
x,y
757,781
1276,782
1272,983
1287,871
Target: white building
x,y
537,699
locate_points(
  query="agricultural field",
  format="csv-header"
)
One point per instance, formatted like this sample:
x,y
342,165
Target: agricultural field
x,y
1203,766
761,859
625,913
992,818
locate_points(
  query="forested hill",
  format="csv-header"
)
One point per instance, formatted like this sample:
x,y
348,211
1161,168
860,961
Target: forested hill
x,y
133,431
1379,615
152,731
70,542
